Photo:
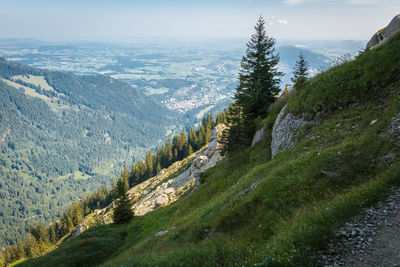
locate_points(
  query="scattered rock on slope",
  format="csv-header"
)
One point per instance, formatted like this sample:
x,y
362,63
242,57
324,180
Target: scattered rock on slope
x,y
284,130
154,193
371,239
259,136
382,35
78,230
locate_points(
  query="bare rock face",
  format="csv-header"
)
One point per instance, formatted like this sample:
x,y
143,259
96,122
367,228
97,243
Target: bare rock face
x,y
200,161
259,136
157,192
169,191
382,35
77,231
161,233
284,130
161,200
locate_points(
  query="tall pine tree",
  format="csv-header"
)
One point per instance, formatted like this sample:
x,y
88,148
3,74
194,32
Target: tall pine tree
x,y
259,75
258,85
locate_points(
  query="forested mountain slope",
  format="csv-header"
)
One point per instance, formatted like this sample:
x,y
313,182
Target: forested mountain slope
x,y
63,135
254,210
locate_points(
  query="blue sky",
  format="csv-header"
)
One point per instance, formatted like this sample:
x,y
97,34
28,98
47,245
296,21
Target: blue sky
x,y
124,19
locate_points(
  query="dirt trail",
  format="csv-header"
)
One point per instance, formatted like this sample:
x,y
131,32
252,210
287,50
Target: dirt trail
x,y
371,239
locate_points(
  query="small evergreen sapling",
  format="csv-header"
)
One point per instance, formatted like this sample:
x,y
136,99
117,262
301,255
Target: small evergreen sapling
x,y
301,72
122,210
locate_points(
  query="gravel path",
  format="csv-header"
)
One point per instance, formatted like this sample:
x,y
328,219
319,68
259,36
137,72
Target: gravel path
x,y
371,239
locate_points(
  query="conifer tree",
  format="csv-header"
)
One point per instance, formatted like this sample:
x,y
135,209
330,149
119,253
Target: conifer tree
x,y
76,213
258,86
20,252
232,137
124,177
158,167
301,72
221,117
122,211
32,247
52,234
259,75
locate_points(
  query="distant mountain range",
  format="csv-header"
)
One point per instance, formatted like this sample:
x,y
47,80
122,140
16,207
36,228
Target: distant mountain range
x,y
63,135
187,76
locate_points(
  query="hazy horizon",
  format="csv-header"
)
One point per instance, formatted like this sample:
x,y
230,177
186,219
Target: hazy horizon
x,y
124,20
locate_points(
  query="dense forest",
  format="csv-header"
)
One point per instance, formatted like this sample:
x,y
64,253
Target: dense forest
x,y
64,137
41,238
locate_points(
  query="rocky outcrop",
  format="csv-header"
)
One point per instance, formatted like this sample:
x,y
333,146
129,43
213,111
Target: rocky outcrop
x,y
160,191
382,35
161,200
157,192
200,161
285,128
394,127
78,230
259,136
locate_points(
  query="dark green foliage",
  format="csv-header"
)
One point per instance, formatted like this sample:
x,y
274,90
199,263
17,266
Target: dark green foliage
x,y
59,150
250,209
358,81
258,86
234,136
259,75
41,238
301,72
182,145
221,117
122,210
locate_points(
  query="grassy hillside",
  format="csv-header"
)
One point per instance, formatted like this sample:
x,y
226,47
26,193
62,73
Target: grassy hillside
x,y
251,209
62,136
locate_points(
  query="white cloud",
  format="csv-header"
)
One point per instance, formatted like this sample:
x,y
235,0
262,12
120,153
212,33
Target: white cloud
x,y
282,21
335,2
360,2
292,2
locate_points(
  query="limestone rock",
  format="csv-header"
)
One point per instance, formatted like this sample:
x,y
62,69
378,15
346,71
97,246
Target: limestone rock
x,y
284,130
200,161
77,231
161,200
169,191
155,192
259,136
161,233
381,36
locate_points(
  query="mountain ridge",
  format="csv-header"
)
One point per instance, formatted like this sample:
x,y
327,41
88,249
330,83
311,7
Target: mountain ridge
x,y
253,210
60,128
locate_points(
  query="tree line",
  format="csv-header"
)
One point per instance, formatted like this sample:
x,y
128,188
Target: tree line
x,y
258,88
41,238
47,149
180,147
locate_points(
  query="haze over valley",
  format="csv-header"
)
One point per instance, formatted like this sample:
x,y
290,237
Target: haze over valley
x,y
199,133
189,76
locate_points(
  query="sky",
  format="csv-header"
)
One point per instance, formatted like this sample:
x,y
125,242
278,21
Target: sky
x,y
131,19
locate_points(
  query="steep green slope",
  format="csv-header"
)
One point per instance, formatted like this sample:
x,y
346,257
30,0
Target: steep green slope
x,y
62,136
275,212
